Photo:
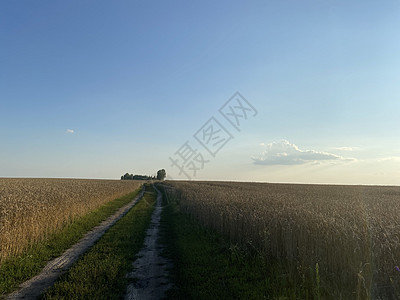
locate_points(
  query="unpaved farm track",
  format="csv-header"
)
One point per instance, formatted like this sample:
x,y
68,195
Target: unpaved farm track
x,y
32,288
150,269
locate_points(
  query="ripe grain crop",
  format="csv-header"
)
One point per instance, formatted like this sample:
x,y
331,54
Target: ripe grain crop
x,y
31,210
345,238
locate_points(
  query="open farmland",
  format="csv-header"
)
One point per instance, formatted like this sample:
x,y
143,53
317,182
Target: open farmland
x,y
33,209
343,240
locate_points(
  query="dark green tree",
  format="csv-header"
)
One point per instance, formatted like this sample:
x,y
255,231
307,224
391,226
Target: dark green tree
x,y
161,174
127,176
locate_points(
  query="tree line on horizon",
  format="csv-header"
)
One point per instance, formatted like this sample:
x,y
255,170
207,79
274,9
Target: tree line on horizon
x,y
161,174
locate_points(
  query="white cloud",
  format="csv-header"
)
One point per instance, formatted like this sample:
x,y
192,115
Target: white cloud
x,y
346,148
70,131
285,153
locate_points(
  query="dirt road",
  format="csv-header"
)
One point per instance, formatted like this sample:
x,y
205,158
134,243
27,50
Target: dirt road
x,y
150,269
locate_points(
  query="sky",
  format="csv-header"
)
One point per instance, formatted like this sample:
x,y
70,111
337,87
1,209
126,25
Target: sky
x,y
271,91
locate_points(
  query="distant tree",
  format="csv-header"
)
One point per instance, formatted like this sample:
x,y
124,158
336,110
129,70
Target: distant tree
x,y
128,176
161,174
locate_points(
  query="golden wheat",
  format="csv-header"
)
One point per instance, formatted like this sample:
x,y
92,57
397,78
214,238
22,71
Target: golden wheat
x,y
351,232
33,209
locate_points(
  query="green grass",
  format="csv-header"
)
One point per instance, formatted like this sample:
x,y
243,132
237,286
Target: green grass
x,y
206,266
100,273
28,264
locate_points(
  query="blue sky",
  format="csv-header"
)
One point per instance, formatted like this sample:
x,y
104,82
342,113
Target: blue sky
x,y
134,80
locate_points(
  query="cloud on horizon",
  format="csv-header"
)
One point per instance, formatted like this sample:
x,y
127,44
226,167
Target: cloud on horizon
x,y
70,131
285,153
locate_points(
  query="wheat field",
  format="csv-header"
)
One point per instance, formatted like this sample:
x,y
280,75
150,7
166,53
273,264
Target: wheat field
x,y
33,209
350,234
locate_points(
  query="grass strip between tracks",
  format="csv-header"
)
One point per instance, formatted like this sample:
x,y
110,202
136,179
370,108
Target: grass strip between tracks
x,y
23,267
101,272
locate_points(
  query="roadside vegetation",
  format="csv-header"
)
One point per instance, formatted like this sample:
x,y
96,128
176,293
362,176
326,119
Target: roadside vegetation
x,y
101,272
30,262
